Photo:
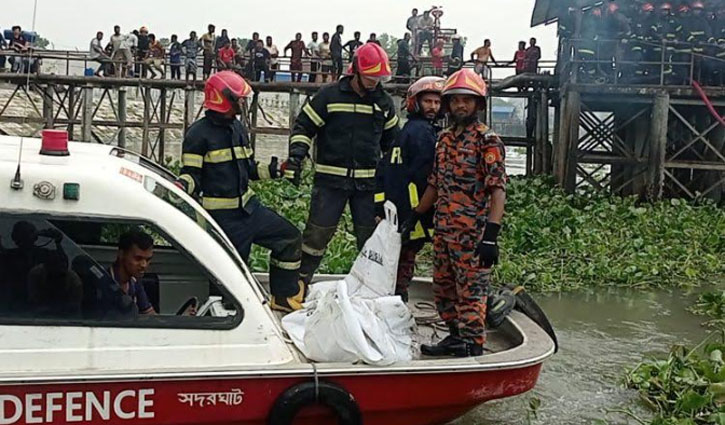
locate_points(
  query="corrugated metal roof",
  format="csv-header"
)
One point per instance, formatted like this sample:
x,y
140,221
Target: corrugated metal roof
x,y
547,11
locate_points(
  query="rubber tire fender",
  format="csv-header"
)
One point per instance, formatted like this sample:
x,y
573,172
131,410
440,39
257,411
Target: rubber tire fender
x,y
290,402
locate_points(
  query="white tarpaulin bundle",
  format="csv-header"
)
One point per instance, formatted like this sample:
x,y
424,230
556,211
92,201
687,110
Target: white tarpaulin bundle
x,y
358,318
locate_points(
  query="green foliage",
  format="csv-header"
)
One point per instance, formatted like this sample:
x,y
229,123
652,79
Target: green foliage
x,y
687,388
552,241
712,305
41,43
389,43
555,241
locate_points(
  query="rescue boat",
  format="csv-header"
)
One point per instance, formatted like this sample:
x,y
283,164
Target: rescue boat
x,y
96,361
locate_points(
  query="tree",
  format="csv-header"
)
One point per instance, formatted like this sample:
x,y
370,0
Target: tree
x,y
389,43
41,42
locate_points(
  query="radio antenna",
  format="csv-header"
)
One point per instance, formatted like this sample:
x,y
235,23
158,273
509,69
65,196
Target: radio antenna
x,y
17,182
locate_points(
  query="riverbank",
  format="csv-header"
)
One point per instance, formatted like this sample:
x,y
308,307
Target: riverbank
x,y
554,242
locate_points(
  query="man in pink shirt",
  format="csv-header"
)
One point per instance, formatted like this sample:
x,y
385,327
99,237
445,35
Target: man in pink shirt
x,y
437,58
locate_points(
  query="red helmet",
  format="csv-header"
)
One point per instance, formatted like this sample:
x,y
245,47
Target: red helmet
x,y
223,89
648,7
423,85
683,8
465,81
597,11
698,5
371,61
665,6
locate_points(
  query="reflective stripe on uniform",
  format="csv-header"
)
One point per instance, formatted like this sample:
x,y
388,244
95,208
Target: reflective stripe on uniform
x,y
285,265
192,160
418,232
380,197
587,52
413,194
190,185
391,122
312,251
363,173
214,203
350,107
225,155
289,174
310,112
210,203
300,138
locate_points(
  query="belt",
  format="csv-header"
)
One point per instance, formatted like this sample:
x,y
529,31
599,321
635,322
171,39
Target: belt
x,y
216,203
359,173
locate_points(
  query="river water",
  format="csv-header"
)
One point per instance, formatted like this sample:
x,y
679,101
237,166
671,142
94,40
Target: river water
x,y
600,334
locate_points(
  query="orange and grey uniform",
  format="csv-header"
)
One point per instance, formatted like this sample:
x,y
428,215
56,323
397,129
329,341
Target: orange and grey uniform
x,y
467,168
350,133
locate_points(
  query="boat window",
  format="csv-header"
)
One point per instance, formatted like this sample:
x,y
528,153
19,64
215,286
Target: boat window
x,y
93,273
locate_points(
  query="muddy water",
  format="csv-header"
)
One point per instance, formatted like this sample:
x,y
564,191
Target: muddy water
x,y
600,335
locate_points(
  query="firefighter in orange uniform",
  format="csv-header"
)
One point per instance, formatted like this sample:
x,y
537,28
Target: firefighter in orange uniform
x,y
467,186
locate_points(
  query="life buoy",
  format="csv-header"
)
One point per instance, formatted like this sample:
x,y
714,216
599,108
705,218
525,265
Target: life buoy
x,y
290,402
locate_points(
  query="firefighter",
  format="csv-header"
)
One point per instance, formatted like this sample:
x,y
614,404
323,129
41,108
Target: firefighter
x,y
639,45
667,31
467,186
586,48
354,121
615,37
218,164
715,65
682,54
699,35
403,173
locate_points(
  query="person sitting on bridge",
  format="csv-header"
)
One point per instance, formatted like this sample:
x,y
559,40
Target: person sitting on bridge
x,y
225,57
98,54
135,250
20,46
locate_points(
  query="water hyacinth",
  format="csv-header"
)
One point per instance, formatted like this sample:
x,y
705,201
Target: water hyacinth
x,y
552,241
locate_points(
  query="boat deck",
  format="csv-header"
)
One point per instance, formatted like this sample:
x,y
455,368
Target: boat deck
x,y
431,329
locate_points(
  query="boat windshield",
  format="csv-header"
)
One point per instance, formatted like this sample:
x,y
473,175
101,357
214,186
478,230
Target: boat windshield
x,y
193,212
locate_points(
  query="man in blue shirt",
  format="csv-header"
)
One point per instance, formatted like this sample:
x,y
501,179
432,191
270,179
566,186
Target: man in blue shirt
x,y
135,250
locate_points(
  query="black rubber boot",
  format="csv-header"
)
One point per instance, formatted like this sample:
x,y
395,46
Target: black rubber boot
x,y
465,349
441,349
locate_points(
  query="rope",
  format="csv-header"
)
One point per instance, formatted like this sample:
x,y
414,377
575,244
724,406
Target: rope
x,y
429,317
707,103
317,383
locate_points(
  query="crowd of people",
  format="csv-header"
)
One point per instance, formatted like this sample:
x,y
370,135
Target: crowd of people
x,y
646,41
425,49
140,53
